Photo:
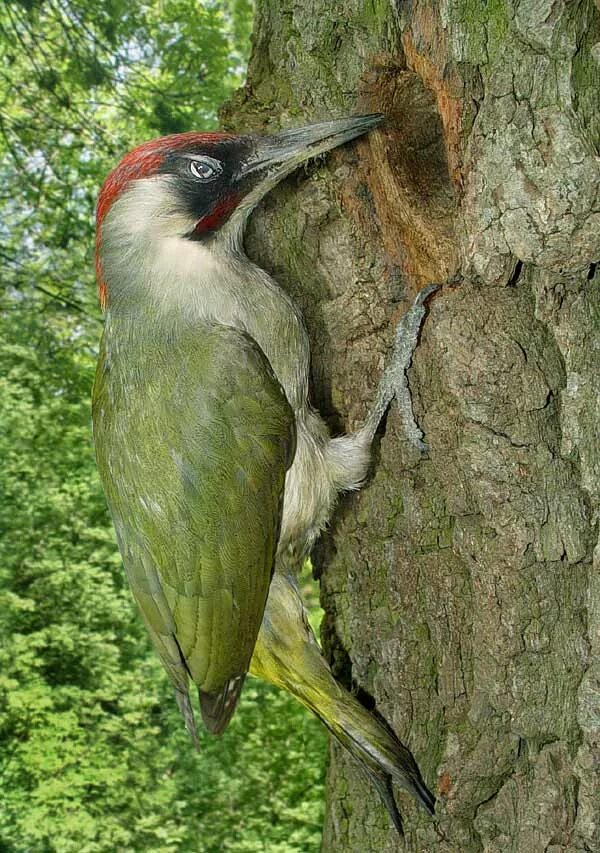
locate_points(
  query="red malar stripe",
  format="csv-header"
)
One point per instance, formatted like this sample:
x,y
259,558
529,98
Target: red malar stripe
x,y
218,215
142,162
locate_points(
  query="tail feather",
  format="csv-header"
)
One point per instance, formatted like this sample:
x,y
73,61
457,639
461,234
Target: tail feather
x,y
287,654
378,750
383,786
425,797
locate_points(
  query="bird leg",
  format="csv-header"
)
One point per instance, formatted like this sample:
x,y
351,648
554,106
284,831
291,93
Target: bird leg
x,y
393,382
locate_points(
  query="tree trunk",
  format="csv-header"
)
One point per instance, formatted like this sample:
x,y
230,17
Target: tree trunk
x,y
460,591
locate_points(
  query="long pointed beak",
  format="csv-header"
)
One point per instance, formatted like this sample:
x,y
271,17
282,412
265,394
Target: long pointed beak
x,y
277,156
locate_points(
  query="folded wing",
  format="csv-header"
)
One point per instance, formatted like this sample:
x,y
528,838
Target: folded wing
x,y
193,452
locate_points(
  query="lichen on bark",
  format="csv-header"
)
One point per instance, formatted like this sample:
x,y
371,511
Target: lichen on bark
x,y
461,589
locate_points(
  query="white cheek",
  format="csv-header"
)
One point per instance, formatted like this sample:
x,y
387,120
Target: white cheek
x,y
149,207
146,254
185,257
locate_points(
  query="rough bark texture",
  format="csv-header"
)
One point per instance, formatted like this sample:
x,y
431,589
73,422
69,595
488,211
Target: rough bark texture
x,y
460,589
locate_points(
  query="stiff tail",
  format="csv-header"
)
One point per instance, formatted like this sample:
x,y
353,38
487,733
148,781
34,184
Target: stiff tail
x,y
375,746
287,654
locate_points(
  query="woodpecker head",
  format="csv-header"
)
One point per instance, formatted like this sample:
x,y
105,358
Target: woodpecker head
x,y
198,188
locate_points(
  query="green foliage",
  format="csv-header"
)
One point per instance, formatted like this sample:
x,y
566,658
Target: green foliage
x,y
93,754
82,83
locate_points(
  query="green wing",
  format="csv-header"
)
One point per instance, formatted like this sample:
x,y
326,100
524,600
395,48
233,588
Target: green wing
x,y
193,442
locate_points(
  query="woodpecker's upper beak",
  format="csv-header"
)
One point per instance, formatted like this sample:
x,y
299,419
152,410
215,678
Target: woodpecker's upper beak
x,y
277,156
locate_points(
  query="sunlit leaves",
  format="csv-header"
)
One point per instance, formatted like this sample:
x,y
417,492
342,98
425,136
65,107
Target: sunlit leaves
x,y
81,84
93,754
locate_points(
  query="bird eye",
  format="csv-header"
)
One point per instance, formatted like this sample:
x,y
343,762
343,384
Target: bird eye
x,y
205,168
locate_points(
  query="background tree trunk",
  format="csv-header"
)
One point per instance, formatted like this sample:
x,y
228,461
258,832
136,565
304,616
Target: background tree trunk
x,y
460,589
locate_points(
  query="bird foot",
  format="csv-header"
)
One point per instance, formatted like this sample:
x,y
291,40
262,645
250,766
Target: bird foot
x,y
394,383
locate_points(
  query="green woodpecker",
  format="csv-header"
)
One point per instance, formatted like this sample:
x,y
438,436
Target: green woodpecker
x,y
216,469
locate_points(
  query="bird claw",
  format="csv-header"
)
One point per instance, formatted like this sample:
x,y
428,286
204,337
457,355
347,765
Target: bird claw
x,y
394,383
424,293
405,343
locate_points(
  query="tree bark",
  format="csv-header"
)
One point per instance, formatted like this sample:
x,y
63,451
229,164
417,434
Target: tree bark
x,y
460,589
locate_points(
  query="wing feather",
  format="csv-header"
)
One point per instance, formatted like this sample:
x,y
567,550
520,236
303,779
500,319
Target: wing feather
x,y
193,453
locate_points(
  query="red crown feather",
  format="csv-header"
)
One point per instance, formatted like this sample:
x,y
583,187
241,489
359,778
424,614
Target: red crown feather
x,y
143,161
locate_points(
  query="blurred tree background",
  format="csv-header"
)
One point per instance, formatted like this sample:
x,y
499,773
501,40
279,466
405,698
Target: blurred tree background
x,y
93,754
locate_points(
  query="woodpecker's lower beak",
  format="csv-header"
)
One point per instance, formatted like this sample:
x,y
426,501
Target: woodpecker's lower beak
x,y
277,156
